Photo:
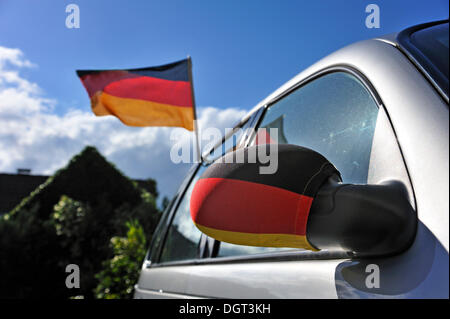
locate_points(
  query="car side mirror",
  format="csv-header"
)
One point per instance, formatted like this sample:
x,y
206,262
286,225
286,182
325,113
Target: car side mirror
x,y
303,204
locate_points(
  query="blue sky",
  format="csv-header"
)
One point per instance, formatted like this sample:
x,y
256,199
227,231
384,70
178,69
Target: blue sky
x,y
241,50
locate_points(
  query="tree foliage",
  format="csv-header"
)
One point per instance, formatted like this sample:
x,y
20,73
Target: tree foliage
x,y
88,177
120,273
70,219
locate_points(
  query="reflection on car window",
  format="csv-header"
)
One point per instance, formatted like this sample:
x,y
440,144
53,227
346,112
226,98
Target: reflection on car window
x,y
226,249
433,43
183,237
334,115
159,231
231,143
429,47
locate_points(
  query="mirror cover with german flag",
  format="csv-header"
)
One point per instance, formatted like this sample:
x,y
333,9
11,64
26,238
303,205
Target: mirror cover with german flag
x,y
154,96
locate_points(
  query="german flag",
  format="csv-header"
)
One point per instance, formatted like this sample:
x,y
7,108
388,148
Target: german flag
x,y
154,96
234,203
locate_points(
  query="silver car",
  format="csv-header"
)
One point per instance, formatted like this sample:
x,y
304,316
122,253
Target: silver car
x,y
378,110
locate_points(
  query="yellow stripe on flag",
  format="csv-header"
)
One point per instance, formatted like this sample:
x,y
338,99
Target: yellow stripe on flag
x,y
260,240
136,112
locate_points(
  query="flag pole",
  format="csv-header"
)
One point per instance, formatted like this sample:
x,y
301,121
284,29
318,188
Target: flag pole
x,y
191,80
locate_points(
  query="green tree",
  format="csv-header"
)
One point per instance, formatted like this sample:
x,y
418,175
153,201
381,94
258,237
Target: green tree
x,y
70,219
121,272
84,232
89,178
30,259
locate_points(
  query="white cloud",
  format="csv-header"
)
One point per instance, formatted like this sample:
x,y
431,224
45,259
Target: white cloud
x,y
13,57
31,136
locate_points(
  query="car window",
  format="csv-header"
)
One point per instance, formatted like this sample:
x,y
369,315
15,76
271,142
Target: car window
x,y
334,115
433,43
429,47
227,249
183,238
158,235
159,231
232,141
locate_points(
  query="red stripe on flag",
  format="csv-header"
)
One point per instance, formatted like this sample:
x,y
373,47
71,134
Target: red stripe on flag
x,y
152,89
96,81
241,206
